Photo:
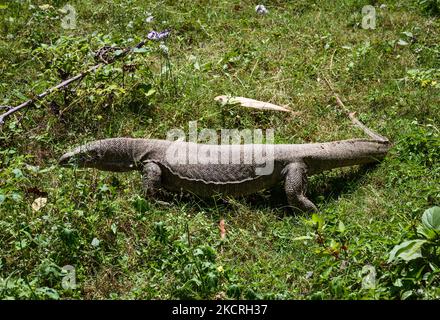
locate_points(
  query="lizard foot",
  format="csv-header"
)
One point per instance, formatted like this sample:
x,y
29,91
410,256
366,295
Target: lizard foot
x,y
295,184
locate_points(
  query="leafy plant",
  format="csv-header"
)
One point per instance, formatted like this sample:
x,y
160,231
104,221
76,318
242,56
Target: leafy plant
x,y
430,6
426,78
418,260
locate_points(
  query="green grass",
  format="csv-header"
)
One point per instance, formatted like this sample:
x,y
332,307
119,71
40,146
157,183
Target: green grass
x,y
149,250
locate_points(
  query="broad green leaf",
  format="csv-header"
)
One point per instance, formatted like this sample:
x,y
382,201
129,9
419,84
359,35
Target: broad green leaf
x,y
427,233
150,92
49,292
318,221
140,50
198,252
413,72
341,227
17,173
430,227
18,94
406,294
398,283
141,205
407,250
16,197
334,245
431,218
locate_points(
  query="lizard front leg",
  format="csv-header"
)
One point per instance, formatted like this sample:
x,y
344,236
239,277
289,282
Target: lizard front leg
x,y
295,183
151,178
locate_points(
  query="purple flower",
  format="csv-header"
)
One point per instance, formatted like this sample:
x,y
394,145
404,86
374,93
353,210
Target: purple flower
x,y
154,35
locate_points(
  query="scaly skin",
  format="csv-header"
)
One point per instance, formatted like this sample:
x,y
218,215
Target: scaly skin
x,y
292,164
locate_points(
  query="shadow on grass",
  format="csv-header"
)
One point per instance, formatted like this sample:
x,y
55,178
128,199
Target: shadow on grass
x,y
323,188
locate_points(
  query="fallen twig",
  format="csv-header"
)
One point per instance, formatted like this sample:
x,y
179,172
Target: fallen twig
x,y
352,116
47,92
65,83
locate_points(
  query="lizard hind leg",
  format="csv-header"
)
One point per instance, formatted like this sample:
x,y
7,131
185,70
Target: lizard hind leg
x,y
295,183
151,179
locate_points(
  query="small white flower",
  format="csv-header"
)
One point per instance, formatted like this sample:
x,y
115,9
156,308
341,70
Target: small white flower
x,y
149,19
383,6
95,242
164,48
261,9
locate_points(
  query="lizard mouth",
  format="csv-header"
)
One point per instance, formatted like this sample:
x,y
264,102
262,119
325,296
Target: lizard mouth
x,y
72,159
65,159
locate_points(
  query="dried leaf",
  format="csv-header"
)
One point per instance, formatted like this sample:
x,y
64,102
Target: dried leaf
x,y
39,203
222,229
45,7
251,103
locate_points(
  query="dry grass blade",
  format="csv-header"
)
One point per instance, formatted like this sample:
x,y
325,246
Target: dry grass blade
x,y
222,229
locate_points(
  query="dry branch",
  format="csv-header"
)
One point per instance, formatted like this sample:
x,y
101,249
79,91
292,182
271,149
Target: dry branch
x,y
64,84
352,116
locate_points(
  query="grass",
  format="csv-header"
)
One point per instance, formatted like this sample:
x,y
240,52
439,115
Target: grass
x,y
123,246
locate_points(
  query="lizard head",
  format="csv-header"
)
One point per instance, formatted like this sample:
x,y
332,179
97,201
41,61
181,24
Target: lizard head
x,y
108,154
